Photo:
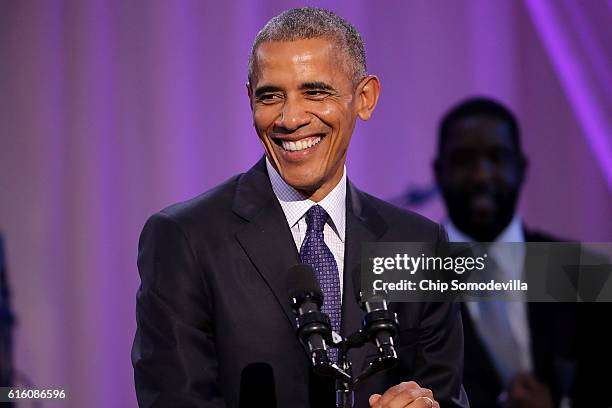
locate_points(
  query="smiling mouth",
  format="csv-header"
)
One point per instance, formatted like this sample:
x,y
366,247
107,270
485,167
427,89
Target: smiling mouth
x,y
298,145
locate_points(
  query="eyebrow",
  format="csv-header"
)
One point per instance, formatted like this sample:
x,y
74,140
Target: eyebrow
x,y
265,89
317,85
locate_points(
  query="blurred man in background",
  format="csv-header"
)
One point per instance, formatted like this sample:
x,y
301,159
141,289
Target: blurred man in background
x,y
534,357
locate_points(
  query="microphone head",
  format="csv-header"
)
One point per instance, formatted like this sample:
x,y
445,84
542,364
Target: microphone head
x,y
375,303
366,300
302,284
375,300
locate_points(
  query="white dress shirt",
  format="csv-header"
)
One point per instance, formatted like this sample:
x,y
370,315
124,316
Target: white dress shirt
x,y
511,263
295,206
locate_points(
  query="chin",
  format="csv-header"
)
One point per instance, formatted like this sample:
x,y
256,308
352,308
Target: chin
x,y
305,182
484,224
304,187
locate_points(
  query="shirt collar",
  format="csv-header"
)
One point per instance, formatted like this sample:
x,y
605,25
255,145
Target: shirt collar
x,y
509,258
512,233
295,206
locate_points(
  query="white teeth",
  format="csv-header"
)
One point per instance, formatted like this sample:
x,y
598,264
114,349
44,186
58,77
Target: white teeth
x,y
301,144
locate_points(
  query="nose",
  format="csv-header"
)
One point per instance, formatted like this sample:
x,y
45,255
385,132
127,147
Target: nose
x,y
292,116
483,170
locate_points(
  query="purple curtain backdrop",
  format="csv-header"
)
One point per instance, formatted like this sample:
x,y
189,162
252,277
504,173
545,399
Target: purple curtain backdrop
x,y
111,110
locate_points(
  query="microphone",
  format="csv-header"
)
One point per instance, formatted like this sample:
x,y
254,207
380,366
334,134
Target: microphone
x,y
379,324
313,327
257,386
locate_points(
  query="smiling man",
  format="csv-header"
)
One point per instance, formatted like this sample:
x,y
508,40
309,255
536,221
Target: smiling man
x,y
214,319
305,100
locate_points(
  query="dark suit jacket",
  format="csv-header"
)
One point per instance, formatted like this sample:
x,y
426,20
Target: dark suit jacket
x,y
213,302
563,358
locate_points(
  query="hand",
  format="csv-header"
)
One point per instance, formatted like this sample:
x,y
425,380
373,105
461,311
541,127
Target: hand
x,y
527,392
404,395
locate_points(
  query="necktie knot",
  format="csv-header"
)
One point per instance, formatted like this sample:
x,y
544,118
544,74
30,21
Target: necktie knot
x,y
316,217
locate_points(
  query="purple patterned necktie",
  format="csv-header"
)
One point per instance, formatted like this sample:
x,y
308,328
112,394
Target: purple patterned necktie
x,y
314,252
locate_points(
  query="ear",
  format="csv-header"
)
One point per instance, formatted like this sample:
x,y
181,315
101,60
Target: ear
x,y
368,91
250,94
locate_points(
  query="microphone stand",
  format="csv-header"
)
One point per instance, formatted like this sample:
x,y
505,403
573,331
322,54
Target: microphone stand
x,y
380,326
373,323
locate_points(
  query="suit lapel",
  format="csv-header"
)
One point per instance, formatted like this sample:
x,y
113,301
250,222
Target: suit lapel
x,y
266,239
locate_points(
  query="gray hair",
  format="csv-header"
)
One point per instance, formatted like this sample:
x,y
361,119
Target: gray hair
x,y
312,22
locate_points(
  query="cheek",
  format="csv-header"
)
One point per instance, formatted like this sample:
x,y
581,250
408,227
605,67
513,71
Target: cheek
x,y
512,175
263,118
327,111
335,115
454,178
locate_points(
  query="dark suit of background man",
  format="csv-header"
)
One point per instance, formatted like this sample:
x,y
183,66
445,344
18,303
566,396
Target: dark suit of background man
x,y
213,309
480,169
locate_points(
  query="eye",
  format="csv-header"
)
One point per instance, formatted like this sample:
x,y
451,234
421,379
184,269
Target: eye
x,y
462,158
269,98
317,94
503,157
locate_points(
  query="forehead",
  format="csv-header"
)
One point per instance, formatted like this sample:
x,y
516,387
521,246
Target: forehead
x,y
299,60
480,132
